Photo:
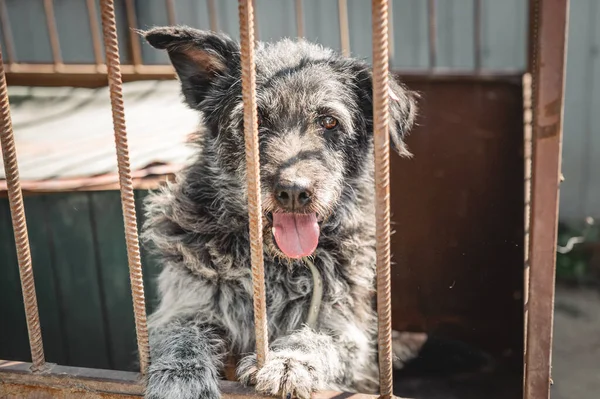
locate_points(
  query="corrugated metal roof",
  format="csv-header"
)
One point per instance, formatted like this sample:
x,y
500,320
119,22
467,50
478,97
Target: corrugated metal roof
x,y
64,136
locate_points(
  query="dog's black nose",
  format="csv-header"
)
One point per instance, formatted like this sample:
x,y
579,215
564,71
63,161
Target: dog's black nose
x,y
293,197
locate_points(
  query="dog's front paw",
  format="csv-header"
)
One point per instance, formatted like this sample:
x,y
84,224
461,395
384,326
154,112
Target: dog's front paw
x,y
287,374
181,384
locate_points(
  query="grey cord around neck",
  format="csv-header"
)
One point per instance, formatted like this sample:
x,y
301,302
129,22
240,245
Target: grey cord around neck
x,y
317,295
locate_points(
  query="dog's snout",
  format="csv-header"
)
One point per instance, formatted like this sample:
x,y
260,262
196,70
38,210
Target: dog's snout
x,y
293,197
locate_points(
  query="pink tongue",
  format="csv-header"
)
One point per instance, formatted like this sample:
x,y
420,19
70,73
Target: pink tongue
x,y
297,235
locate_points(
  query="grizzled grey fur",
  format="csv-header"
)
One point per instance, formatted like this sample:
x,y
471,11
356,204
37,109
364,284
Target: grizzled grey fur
x,y
198,225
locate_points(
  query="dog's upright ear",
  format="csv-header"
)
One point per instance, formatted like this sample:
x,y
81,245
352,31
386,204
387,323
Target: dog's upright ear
x,y
403,106
198,57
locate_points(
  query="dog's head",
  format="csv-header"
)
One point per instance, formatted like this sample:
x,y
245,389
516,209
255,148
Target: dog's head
x,y
315,124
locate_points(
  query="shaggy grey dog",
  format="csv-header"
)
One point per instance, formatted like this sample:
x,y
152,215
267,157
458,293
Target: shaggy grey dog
x,y
316,144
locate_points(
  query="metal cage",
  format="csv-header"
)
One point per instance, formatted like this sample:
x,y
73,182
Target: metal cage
x,y
543,82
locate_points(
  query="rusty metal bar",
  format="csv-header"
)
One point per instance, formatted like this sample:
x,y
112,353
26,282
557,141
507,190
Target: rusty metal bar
x,y
382,191
53,33
477,34
82,69
527,148
83,383
246,10
134,38
19,224
167,71
344,29
94,30
111,47
548,44
171,17
213,17
432,29
299,19
7,33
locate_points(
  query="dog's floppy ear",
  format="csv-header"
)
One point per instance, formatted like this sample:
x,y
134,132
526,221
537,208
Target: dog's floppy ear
x,y
198,57
403,112
403,107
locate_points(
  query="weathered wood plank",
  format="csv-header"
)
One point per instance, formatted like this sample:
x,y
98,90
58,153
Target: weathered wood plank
x,y
75,382
109,240
77,270
48,289
12,315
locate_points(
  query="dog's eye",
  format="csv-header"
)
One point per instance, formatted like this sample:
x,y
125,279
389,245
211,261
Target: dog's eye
x,y
328,122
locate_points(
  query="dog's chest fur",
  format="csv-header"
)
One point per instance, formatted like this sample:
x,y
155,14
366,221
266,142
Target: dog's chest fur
x,y
212,270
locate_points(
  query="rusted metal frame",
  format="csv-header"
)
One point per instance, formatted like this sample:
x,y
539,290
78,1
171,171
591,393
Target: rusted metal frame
x,y
213,16
548,44
171,17
19,224
77,382
477,35
527,150
111,47
382,192
82,69
432,33
167,71
344,27
134,39
94,31
9,42
53,33
246,15
299,19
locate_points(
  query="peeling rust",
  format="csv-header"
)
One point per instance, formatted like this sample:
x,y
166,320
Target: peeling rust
x,y
17,381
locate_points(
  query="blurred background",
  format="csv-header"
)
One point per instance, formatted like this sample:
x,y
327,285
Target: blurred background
x,y
458,206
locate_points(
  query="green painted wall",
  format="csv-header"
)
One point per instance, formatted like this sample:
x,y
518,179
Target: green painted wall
x,y
81,278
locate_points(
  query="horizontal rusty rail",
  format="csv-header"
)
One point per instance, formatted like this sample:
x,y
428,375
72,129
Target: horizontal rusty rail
x,y
92,75
81,75
17,380
82,69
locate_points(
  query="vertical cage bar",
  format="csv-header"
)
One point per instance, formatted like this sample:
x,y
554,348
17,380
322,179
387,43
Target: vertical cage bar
x,y
136,49
527,144
7,33
344,30
111,47
96,41
53,32
382,191
19,224
299,19
477,35
246,10
213,17
432,32
548,45
171,17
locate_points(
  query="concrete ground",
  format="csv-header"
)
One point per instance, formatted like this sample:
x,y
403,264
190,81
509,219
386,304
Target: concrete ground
x,y
576,359
576,352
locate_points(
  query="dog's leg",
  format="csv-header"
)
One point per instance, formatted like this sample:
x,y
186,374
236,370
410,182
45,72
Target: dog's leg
x,y
186,360
307,361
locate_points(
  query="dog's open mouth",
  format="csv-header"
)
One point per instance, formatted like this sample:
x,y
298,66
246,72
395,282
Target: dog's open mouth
x,y
296,234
